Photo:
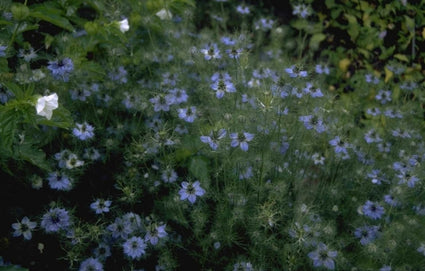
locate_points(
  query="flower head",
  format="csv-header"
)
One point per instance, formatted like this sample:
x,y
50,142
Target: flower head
x,y
61,68
46,104
101,206
83,131
190,191
55,219
373,210
134,247
91,264
124,26
24,228
322,256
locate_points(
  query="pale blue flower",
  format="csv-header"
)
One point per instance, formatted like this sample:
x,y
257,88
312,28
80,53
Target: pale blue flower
x,y
187,114
134,247
190,191
322,256
83,131
59,181
214,138
155,232
55,219
373,210
367,234
24,228
241,139
91,264
61,69
101,206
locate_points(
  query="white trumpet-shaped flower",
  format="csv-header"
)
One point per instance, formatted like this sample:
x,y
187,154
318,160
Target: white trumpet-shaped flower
x,y
164,14
124,26
46,104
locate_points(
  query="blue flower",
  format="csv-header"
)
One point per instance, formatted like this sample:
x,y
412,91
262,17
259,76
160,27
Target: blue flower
x,y
389,199
242,9
102,251
367,234
134,247
214,138
101,206
295,72
211,51
155,232
373,210
120,228
24,228
59,181
221,84
133,220
3,49
61,69
234,53
176,96
83,131
120,75
169,175
384,96
160,103
188,114
190,191
241,139
322,256
91,264
55,219
312,121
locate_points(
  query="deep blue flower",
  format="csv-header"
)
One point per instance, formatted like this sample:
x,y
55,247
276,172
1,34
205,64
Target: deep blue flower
x,y
55,219
134,247
322,256
367,234
61,69
373,210
91,264
169,175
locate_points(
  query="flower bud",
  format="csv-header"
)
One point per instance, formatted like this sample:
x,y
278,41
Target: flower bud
x,y
20,12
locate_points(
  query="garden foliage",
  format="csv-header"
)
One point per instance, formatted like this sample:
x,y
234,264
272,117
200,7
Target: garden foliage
x,y
139,135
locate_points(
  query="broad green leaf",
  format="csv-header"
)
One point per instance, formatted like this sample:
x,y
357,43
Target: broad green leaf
x,y
30,153
8,124
51,15
198,167
316,39
402,57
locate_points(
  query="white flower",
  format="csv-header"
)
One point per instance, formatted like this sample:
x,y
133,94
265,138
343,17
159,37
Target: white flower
x,y
124,26
164,14
46,104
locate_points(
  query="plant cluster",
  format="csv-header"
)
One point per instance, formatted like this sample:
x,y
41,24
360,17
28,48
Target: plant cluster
x,y
132,140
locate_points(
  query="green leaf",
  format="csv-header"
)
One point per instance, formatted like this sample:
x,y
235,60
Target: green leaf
x,y
316,39
8,124
52,15
198,167
61,118
12,268
31,154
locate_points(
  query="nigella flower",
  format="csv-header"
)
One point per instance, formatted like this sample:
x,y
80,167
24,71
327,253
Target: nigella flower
x,y
246,174
59,181
372,137
373,111
120,228
222,83
134,247
55,219
234,53
294,72
102,251
3,49
367,234
61,69
318,159
190,191
24,228
80,94
155,232
264,24
101,206
211,51
241,139
406,177
187,114
83,131
72,161
373,210
389,199
91,154
242,9
27,55
312,121
322,256
301,10
385,268
391,113
384,96
228,41
169,175
91,264
214,138
370,78
160,103
176,96
376,176
244,266
119,75
322,69
339,145
421,249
